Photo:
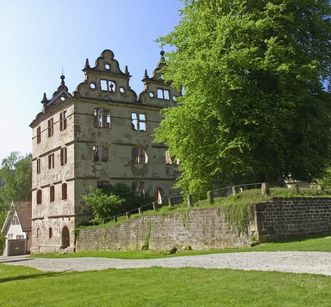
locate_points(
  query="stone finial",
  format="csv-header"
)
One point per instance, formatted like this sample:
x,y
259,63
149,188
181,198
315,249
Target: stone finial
x,y
162,55
145,74
44,101
87,64
126,70
62,79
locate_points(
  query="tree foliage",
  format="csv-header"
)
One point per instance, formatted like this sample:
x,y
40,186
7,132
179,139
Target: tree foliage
x,y
254,106
15,176
103,205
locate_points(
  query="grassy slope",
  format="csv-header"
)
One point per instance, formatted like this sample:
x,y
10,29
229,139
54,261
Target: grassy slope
x,y
161,287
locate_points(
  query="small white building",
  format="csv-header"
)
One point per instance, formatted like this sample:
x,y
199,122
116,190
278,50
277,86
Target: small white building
x,y
17,229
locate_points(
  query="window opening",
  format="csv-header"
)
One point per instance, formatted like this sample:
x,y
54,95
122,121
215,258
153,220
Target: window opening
x,y
50,233
138,188
139,155
51,161
163,94
38,135
51,193
63,120
102,118
108,85
64,191
63,155
100,153
39,197
38,166
50,127
138,121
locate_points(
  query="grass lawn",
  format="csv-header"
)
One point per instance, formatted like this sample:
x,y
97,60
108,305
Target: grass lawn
x,y
21,286
316,244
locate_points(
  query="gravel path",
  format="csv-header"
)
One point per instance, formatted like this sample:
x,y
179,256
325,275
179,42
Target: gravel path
x,y
295,262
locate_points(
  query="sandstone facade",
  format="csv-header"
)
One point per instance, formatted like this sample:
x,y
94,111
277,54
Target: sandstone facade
x,y
101,134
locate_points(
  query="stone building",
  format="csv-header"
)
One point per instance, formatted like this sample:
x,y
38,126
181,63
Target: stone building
x,y
100,134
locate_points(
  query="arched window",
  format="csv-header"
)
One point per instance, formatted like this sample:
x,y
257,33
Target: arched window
x,y
64,191
139,155
39,197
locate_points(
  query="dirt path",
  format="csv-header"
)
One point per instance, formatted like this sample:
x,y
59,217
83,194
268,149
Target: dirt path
x,y
295,262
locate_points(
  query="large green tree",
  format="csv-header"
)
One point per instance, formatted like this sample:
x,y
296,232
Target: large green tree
x,y
254,106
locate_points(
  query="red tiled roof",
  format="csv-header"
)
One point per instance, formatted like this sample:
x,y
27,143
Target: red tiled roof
x,y
24,212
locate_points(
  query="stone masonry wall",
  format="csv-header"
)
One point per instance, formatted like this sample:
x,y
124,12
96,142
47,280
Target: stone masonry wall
x,y
288,218
277,220
197,229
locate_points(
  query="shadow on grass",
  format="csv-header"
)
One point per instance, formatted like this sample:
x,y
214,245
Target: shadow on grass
x,y
30,276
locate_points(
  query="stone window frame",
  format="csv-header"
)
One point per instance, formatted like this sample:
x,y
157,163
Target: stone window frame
x,y
138,121
100,153
139,155
63,120
63,156
51,162
50,127
38,134
138,188
163,94
39,196
107,85
64,191
51,193
102,118
38,166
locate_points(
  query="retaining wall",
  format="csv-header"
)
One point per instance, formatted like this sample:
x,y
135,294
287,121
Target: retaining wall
x,y
198,229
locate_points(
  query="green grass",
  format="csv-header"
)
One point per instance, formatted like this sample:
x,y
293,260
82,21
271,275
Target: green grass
x,y
162,287
315,244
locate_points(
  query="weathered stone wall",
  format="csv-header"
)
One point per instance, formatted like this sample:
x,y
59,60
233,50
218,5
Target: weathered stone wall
x,y
280,219
197,229
287,218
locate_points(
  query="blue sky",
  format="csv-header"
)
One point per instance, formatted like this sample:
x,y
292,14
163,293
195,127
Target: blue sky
x,y
39,37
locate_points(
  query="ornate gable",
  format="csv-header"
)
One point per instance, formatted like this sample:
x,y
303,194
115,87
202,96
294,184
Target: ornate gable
x,y
157,92
106,80
60,95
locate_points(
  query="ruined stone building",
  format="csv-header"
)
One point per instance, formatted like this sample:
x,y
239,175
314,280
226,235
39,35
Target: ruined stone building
x,y
100,134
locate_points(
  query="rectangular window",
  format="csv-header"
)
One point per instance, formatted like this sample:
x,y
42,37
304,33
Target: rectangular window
x,y
104,153
63,155
138,121
63,120
96,153
50,233
108,85
100,153
163,94
38,135
102,118
51,161
51,193
138,188
50,127
38,166
19,237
